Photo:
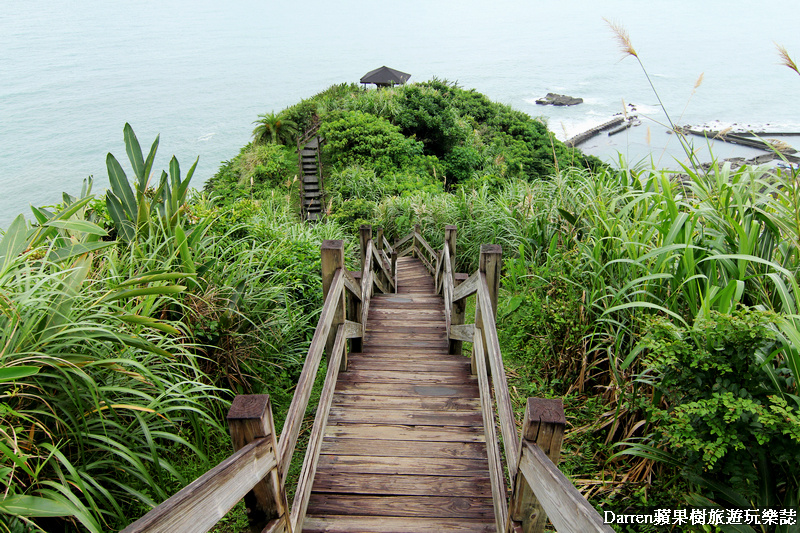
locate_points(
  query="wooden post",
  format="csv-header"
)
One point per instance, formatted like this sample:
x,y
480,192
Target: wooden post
x,y
364,235
394,269
544,426
489,264
459,308
333,259
354,315
377,245
417,246
378,238
249,418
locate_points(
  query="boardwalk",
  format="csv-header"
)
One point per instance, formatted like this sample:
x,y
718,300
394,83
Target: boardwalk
x,y
404,448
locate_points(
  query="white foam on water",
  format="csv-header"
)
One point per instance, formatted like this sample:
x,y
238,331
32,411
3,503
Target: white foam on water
x,y
644,109
206,137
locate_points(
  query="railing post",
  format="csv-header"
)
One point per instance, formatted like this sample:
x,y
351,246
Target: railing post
x,y
364,235
544,426
333,259
415,249
354,314
490,263
394,269
249,418
457,313
378,238
377,244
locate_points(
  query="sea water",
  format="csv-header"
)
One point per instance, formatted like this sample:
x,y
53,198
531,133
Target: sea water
x,y
199,72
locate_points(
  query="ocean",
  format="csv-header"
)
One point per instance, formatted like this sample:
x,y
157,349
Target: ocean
x,y
199,72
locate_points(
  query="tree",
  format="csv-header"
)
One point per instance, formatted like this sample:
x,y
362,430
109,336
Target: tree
x,y
275,129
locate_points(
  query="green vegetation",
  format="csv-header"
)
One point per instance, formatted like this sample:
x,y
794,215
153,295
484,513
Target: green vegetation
x,y
663,310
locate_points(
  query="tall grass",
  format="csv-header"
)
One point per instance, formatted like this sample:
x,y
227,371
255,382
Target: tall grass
x,y
106,394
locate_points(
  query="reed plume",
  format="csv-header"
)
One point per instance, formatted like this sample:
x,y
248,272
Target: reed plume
x,y
623,39
786,58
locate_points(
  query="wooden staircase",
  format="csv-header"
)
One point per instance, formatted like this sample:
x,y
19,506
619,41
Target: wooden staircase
x,y
312,194
404,448
405,435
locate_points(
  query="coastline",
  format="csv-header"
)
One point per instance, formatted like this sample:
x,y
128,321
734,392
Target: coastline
x,y
631,138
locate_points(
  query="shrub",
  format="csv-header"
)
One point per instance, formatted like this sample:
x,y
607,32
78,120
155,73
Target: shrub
x,y
357,138
724,416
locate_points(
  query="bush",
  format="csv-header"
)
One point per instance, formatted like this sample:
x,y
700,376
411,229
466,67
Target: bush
x,y
724,416
256,169
357,138
353,213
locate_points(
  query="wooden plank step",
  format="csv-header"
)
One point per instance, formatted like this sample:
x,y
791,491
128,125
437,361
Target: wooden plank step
x,y
420,506
427,313
408,340
372,401
403,448
405,365
400,432
394,298
421,306
366,464
387,524
402,485
383,318
410,352
463,390
391,376
413,417
424,327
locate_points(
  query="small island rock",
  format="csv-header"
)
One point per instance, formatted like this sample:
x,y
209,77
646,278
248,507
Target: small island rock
x,y
559,99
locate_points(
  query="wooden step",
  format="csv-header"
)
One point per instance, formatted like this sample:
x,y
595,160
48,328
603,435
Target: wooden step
x,y
385,524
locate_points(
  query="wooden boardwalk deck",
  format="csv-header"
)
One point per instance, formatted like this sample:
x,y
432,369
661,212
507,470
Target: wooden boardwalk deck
x,y
404,448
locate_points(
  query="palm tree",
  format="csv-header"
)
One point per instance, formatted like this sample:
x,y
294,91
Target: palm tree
x,y
272,128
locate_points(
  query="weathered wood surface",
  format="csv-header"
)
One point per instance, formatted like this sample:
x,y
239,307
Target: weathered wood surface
x,y
492,346
294,417
492,446
564,505
311,459
383,524
200,505
404,447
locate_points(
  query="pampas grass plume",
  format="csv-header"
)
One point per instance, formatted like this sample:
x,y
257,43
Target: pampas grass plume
x,y
786,58
622,37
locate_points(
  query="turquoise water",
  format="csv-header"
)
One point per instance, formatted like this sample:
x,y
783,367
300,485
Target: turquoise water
x,y
199,72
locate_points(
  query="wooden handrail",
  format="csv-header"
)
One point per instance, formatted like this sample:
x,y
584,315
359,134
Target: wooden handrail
x,y
310,132
492,347
492,447
402,241
297,408
566,508
386,271
201,504
306,480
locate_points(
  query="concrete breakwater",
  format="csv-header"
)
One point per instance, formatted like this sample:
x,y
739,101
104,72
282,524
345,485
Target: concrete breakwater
x,y
588,134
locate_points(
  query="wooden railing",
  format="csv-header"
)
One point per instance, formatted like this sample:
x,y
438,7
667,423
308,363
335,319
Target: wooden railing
x,y
256,472
540,490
